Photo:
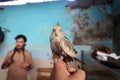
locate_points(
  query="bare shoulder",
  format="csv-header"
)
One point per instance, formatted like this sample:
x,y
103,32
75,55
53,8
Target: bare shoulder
x,y
10,52
27,52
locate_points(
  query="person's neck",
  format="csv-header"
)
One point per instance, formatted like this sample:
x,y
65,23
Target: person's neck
x,y
19,49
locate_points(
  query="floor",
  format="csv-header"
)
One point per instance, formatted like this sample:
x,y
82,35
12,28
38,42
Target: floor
x,y
97,71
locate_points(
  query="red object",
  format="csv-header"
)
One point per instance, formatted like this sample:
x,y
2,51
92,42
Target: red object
x,y
104,49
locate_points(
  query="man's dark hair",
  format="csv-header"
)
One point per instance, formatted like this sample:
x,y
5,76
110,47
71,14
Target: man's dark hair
x,y
21,36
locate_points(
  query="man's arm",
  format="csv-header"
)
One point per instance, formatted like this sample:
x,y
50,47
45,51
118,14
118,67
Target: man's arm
x,y
29,60
78,75
7,60
59,71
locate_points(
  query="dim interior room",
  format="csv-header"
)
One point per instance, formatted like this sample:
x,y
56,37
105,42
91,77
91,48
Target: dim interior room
x,y
88,24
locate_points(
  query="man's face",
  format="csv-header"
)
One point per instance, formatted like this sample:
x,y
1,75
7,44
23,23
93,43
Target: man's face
x,y
20,43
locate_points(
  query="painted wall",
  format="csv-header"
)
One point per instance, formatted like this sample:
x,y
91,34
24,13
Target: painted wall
x,y
90,27
36,22
116,22
97,25
116,7
93,26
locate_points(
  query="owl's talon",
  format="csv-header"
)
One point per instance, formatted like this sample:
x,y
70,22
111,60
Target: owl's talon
x,y
70,69
55,61
59,60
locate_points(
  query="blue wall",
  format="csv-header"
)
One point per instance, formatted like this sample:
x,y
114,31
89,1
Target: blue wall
x,y
116,7
35,21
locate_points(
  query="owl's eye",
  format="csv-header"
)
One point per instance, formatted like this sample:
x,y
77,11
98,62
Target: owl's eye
x,y
53,29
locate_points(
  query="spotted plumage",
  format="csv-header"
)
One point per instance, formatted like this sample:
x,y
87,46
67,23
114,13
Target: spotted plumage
x,y
62,47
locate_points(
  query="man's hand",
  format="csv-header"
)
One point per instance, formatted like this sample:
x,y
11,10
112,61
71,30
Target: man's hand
x,y
60,72
25,64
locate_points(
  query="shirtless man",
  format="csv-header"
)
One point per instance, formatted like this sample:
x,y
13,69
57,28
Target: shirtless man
x,y
18,60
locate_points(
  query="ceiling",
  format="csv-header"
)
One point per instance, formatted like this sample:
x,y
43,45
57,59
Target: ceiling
x,y
71,3
87,3
4,0
21,2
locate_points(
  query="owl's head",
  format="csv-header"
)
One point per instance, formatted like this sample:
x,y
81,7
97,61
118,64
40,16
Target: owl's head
x,y
57,30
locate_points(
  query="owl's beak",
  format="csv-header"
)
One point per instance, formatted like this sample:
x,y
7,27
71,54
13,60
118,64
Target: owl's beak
x,y
57,32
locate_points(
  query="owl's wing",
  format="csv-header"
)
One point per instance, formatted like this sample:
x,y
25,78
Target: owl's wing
x,y
55,47
67,47
58,50
69,44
